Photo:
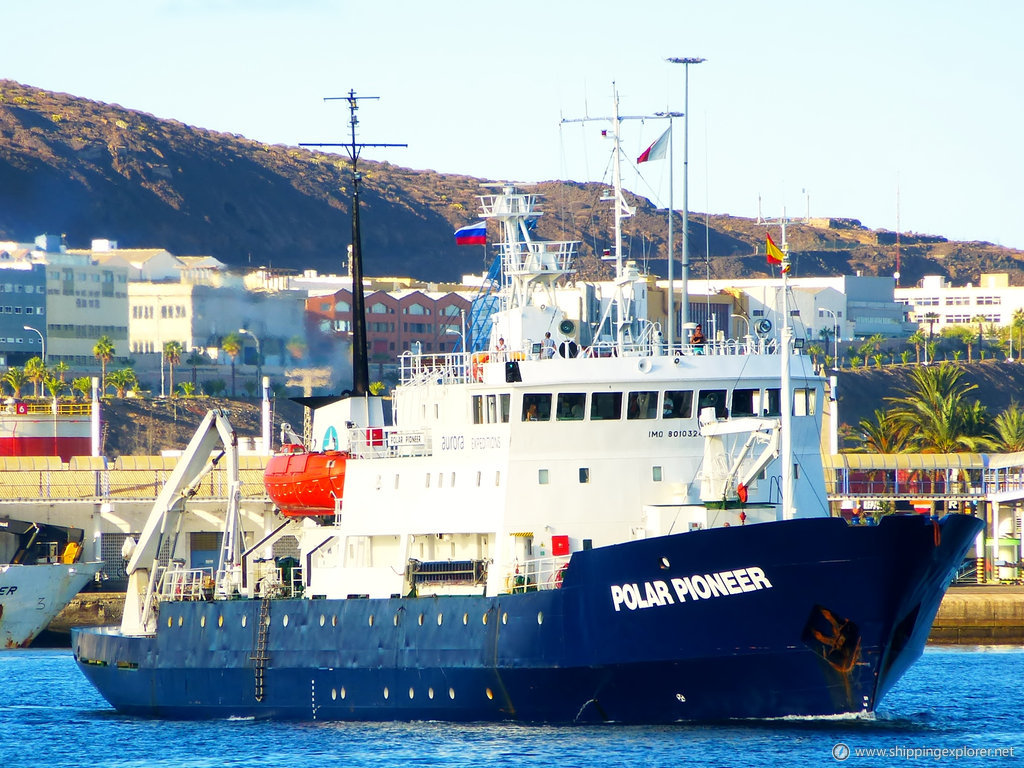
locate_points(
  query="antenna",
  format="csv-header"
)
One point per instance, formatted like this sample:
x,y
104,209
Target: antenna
x,y
360,366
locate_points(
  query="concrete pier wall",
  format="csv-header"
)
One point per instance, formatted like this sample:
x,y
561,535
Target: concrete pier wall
x,y
980,615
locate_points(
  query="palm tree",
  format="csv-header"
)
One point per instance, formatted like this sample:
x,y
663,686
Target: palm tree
x,y
1017,324
1009,429
194,359
172,354
15,379
54,385
35,371
918,340
814,350
82,384
104,352
881,435
934,410
232,346
61,369
123,380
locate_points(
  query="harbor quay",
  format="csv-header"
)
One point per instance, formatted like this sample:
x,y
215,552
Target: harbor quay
x,y
111,500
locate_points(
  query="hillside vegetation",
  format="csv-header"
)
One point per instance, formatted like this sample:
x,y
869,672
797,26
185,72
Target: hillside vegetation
x,y
91,170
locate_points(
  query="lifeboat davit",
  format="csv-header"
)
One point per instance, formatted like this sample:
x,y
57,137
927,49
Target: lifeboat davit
x,y
304,484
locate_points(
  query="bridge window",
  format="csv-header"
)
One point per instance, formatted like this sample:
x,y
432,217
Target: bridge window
x,y
571,406
746,402
642,405
678,404
712,398
537,407
606,406
803,402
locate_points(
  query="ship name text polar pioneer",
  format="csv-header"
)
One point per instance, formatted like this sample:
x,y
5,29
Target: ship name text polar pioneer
x,y
697,587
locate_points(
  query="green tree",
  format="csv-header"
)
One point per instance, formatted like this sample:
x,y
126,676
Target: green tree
x,y
214,387
61,369
15,379
814,350
54,385
188,389
35,371
172,356
918,340
104,352
879,435
232,346
194,359
1017,325
82,384
1009,429
934,410
123,379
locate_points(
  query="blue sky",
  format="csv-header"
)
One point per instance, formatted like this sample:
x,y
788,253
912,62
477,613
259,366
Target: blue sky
x,y
829,105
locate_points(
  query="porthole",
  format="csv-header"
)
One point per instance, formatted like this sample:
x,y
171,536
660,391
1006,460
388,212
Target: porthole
x,y
451,693
202,621
170,622
343,694
421,619
412,693
323,619
504,618
181,620
540,617
370,620
334,621
387,693
465,619
665,564
245,620
396,618
484,619
430,693
284,620
440,619
334,694
220,620
490,693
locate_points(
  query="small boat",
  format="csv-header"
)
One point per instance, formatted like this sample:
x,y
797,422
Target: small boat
x,y
635,530
40,573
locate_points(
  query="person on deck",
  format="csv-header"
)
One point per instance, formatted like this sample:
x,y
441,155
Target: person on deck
x,y
697,338
549,347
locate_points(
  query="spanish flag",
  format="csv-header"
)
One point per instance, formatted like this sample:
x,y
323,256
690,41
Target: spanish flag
x,y
775,256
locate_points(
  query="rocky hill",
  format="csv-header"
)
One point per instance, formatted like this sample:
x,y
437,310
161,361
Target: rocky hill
x,y
92,170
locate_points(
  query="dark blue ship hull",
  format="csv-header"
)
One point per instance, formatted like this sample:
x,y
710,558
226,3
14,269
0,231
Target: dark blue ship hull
x,y
803,617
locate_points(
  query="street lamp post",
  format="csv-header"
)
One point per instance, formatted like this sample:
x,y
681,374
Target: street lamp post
x,y
835,336
684,268
259,356
42,342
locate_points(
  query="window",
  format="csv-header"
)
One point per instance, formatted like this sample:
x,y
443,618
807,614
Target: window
x,y
746,402
774,400
571,406
656,474
341,306
712,398
606,406
642,405
542,477
803,402
536,407
416,309
678,404
584,474
505,401
379,309
478,409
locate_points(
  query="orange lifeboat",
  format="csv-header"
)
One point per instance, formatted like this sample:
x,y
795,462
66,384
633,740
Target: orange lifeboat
x,y
305,484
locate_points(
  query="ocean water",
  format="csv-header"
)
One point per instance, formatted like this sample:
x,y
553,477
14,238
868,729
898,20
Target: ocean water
x,y
962,700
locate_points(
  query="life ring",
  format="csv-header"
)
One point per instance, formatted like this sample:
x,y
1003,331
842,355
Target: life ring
x,y
477,368
560,574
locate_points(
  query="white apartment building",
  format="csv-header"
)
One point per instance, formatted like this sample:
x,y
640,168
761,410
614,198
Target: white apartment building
x,y
935,304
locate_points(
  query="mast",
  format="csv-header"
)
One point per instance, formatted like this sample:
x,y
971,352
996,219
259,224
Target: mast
x,y
360,362
786,339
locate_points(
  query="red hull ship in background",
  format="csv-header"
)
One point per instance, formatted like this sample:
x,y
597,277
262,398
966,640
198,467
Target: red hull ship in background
x,y
39,428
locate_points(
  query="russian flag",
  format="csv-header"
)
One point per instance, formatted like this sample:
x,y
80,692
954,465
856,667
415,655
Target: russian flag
x,y
472,234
